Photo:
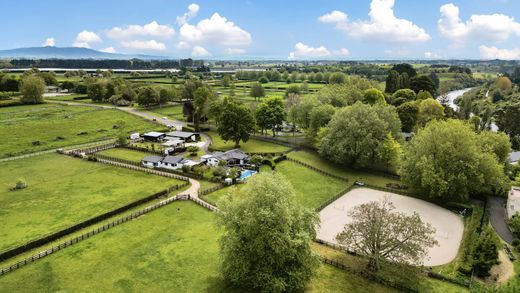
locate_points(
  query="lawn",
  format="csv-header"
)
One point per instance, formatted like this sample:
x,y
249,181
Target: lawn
x,y
125,154
173,249
32,128
353,175
63,191
172,112
402,274
312,188
251,146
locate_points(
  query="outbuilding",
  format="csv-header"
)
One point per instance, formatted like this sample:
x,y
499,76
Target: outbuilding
x,y
154,136
513,202
185,136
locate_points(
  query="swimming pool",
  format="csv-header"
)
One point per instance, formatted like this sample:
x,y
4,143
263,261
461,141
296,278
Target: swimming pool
x,y
247,173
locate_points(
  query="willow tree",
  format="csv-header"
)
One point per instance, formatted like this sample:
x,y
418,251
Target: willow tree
x,y
267,237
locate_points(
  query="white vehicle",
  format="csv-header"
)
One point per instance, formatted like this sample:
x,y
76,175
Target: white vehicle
x,y
165,118
134,136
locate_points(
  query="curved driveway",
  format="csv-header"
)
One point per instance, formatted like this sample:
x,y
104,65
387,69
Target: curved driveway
x,y
498,218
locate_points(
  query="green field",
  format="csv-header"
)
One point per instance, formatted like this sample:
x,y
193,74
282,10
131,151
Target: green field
x,y
125,154
312,188
32,128
172,112
63,191
172,249
251,146
353,175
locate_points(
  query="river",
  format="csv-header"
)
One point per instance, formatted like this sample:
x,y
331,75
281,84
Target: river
x,y
453,95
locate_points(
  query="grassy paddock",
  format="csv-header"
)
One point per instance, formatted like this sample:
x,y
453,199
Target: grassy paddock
x,y
352,175
32,128
251,146
402,274
154,253
305,182
63,191
125,154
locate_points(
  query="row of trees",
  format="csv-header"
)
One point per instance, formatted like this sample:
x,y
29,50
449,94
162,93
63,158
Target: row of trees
x,y
274,75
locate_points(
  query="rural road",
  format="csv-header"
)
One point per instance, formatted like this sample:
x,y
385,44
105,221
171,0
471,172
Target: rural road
x,y
498,218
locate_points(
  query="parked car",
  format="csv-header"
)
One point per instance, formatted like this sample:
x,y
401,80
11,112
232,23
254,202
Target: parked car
x,y
359,183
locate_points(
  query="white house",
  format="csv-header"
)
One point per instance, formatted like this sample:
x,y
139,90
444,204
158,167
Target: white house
x,y
172,162
232,157
514,158
151,161
513,202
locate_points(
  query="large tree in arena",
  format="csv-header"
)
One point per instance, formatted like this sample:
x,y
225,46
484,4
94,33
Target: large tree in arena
x,y
267,237
380,233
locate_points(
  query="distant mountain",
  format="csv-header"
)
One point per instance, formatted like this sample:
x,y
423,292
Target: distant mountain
x,y
69,53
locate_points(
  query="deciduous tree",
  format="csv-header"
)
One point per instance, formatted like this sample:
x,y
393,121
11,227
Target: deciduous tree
x,y
381,233
235,122
445,159
267,236
32,88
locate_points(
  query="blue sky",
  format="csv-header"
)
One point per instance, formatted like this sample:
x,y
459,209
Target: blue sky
x,y
348,29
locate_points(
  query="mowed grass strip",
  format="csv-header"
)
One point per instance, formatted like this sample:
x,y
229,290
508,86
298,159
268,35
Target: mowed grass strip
x,y
172,112
251,146
63,191
33,128
312,188
174,248
353,175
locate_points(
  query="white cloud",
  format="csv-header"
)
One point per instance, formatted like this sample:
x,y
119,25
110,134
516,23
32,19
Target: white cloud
x,y
333,17
217,30
234,51
108,50
152,29
51,42
182,45
432,55
199,51
382,26
84,38
341,52
493,27
496,53
302,51
193,9
144,45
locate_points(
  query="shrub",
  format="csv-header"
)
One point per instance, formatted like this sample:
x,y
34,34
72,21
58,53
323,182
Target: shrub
x,y
36,142
193,149
219,172
263,79
21,184
186,169
256,159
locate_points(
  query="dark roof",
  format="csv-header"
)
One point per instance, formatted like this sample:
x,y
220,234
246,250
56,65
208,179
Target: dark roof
x,y
234,154
514,157
154,134
172,159
181,134
152,159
